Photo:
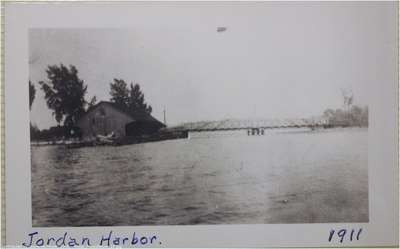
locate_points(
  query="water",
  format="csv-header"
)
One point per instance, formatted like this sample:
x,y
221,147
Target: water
x,y
212,178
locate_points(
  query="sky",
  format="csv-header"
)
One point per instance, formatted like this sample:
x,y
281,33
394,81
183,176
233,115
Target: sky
x,y
274,60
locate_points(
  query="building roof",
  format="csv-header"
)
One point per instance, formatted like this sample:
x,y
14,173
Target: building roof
x,y
136,116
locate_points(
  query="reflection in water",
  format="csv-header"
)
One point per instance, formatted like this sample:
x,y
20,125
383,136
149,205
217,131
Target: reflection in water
x,y
289,177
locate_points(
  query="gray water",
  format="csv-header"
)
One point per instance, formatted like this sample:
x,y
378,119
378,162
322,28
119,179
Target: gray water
x,y
212,178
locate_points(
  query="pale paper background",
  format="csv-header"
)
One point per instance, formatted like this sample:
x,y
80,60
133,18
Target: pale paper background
x,y
382,228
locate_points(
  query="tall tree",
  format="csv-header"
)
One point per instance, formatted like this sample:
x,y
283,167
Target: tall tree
x,y
64,93
348,98
119,93
131,100
32,93
136,103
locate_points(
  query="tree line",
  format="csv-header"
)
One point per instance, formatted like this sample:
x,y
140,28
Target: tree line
x,y
66,95
355,116
349,115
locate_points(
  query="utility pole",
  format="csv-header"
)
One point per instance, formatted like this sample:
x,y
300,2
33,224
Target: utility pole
x,y
165,119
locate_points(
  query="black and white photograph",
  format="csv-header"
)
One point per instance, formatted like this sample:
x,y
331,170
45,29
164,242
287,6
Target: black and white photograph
x,y
206,124
257,117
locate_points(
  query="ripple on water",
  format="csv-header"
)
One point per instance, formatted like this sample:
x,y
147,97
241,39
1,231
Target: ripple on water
x,y
222,180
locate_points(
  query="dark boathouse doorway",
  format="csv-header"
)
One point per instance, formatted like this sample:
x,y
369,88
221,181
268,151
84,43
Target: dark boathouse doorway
x,y
142,127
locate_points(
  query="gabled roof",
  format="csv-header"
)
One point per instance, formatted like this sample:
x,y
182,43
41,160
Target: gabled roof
x,y
137,116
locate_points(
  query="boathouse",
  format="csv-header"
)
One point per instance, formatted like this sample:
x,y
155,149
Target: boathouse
x,y
106,119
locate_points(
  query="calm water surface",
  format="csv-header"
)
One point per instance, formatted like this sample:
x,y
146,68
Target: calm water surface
x,y
212,178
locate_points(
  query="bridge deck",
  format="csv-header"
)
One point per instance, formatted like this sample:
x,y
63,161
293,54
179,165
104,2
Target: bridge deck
x,y
235,124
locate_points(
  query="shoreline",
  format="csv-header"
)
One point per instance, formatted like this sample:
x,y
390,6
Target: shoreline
x,y
188,135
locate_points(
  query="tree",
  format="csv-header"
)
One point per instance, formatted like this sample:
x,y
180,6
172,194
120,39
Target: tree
x,y
131,100
92,102
32,93
64,93
350,115
329,113
119,93
34,132
348,98
347,102
356,115
136,103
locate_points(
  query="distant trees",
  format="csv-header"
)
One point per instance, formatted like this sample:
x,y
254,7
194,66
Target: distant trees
x,y
350,115
130,99
356,116
32,93
64,93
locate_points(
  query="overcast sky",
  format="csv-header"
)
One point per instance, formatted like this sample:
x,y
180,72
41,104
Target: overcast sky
x,y
275,60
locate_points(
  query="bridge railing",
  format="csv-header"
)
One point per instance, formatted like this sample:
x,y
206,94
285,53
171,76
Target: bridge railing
x,y
236,124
